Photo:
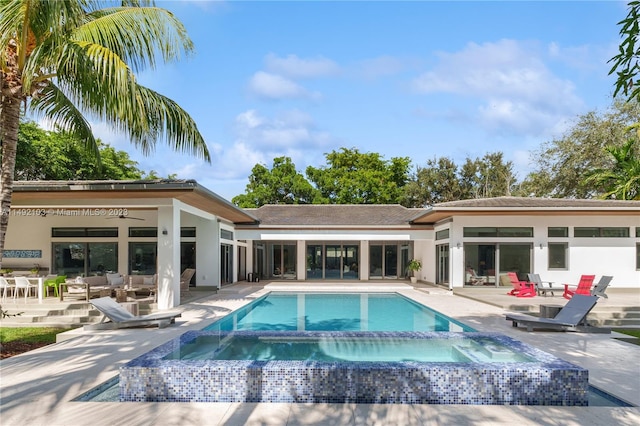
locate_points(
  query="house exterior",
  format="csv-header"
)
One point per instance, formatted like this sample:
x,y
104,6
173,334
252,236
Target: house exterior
x,y
164,226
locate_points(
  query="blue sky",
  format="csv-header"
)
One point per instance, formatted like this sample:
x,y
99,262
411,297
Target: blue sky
x,y
420,79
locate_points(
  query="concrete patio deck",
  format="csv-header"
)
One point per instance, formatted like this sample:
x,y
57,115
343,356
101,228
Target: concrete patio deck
x,y
37,388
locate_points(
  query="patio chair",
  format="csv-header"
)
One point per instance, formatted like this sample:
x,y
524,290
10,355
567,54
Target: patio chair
x,y
539,285
53,281
520,288
119,317
601,286
185,279
572,317
5,287
22,283
583,287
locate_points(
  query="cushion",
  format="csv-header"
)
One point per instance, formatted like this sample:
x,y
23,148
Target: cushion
x,y
115,279
147,281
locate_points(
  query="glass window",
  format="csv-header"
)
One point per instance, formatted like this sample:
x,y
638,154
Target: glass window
x,y
604,232
375,261
442,235
618,232
637,256
142,258
513,231
226,234
637,231
480,232
515,258
558,255
188,232
143,232
283,261
558,231
314,261
85,258
84,232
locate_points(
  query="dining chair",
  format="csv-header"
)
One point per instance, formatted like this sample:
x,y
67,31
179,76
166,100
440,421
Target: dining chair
x,y
22,283
5,286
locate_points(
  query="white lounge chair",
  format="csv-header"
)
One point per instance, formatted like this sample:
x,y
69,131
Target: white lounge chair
x,y
121,318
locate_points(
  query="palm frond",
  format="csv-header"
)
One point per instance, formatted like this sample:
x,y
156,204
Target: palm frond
x,y
137,35
55,106
158,117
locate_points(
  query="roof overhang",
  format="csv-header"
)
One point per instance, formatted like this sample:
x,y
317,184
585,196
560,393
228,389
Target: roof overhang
x,y
135,192
439,214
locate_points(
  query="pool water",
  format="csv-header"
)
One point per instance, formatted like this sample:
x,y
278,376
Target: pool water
x,y
337,312
352,347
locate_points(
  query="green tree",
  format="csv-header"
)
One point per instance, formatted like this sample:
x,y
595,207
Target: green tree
x,y
437,182
442,180
283,184
44,155
625,63
352,177
561,165
622,181
61,59
486,177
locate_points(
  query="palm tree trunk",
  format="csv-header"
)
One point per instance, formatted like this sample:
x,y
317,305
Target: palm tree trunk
x,y
9,123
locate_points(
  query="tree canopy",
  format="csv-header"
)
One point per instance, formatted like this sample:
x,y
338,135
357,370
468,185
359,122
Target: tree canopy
x,y
280,185
441,180
352,177
49,155
562,165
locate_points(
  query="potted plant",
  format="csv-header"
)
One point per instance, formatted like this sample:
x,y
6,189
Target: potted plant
x,y
414,266
35,270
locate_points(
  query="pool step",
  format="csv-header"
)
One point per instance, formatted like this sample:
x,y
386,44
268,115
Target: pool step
x,y
58,314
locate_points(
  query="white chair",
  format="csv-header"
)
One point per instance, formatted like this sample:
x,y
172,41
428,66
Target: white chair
x,y
5,286
22,283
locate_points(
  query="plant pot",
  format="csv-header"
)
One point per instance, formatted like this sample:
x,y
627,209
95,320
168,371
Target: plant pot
x,y
413,280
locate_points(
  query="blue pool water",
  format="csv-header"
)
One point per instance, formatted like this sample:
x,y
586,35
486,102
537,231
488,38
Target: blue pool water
x,y
337,312
347,347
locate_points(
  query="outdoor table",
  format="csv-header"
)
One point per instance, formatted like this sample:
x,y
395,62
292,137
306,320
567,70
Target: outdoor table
x,y
549,311
39,281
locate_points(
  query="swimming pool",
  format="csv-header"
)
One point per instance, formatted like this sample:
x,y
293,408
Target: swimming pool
x,y
308,311
341,366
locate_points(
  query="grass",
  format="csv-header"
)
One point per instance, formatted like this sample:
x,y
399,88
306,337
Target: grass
x,y
17,340
633,333
30,334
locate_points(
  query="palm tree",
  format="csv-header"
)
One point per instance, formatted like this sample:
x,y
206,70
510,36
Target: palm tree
x,y
622,180
60,59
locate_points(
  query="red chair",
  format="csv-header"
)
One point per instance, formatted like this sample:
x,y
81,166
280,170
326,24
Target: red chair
x,y
521,288
583,287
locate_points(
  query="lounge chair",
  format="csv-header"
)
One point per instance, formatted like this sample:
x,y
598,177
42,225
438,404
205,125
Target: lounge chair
x,y
185,279
583,287
572,317
601,286
539,285
520,288
121,318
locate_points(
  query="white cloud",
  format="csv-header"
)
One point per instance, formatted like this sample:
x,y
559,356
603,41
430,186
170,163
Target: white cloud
x,y
380,67
294,67
273,86
517,91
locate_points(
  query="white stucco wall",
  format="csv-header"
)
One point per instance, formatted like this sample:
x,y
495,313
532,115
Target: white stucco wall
x,y
593,256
